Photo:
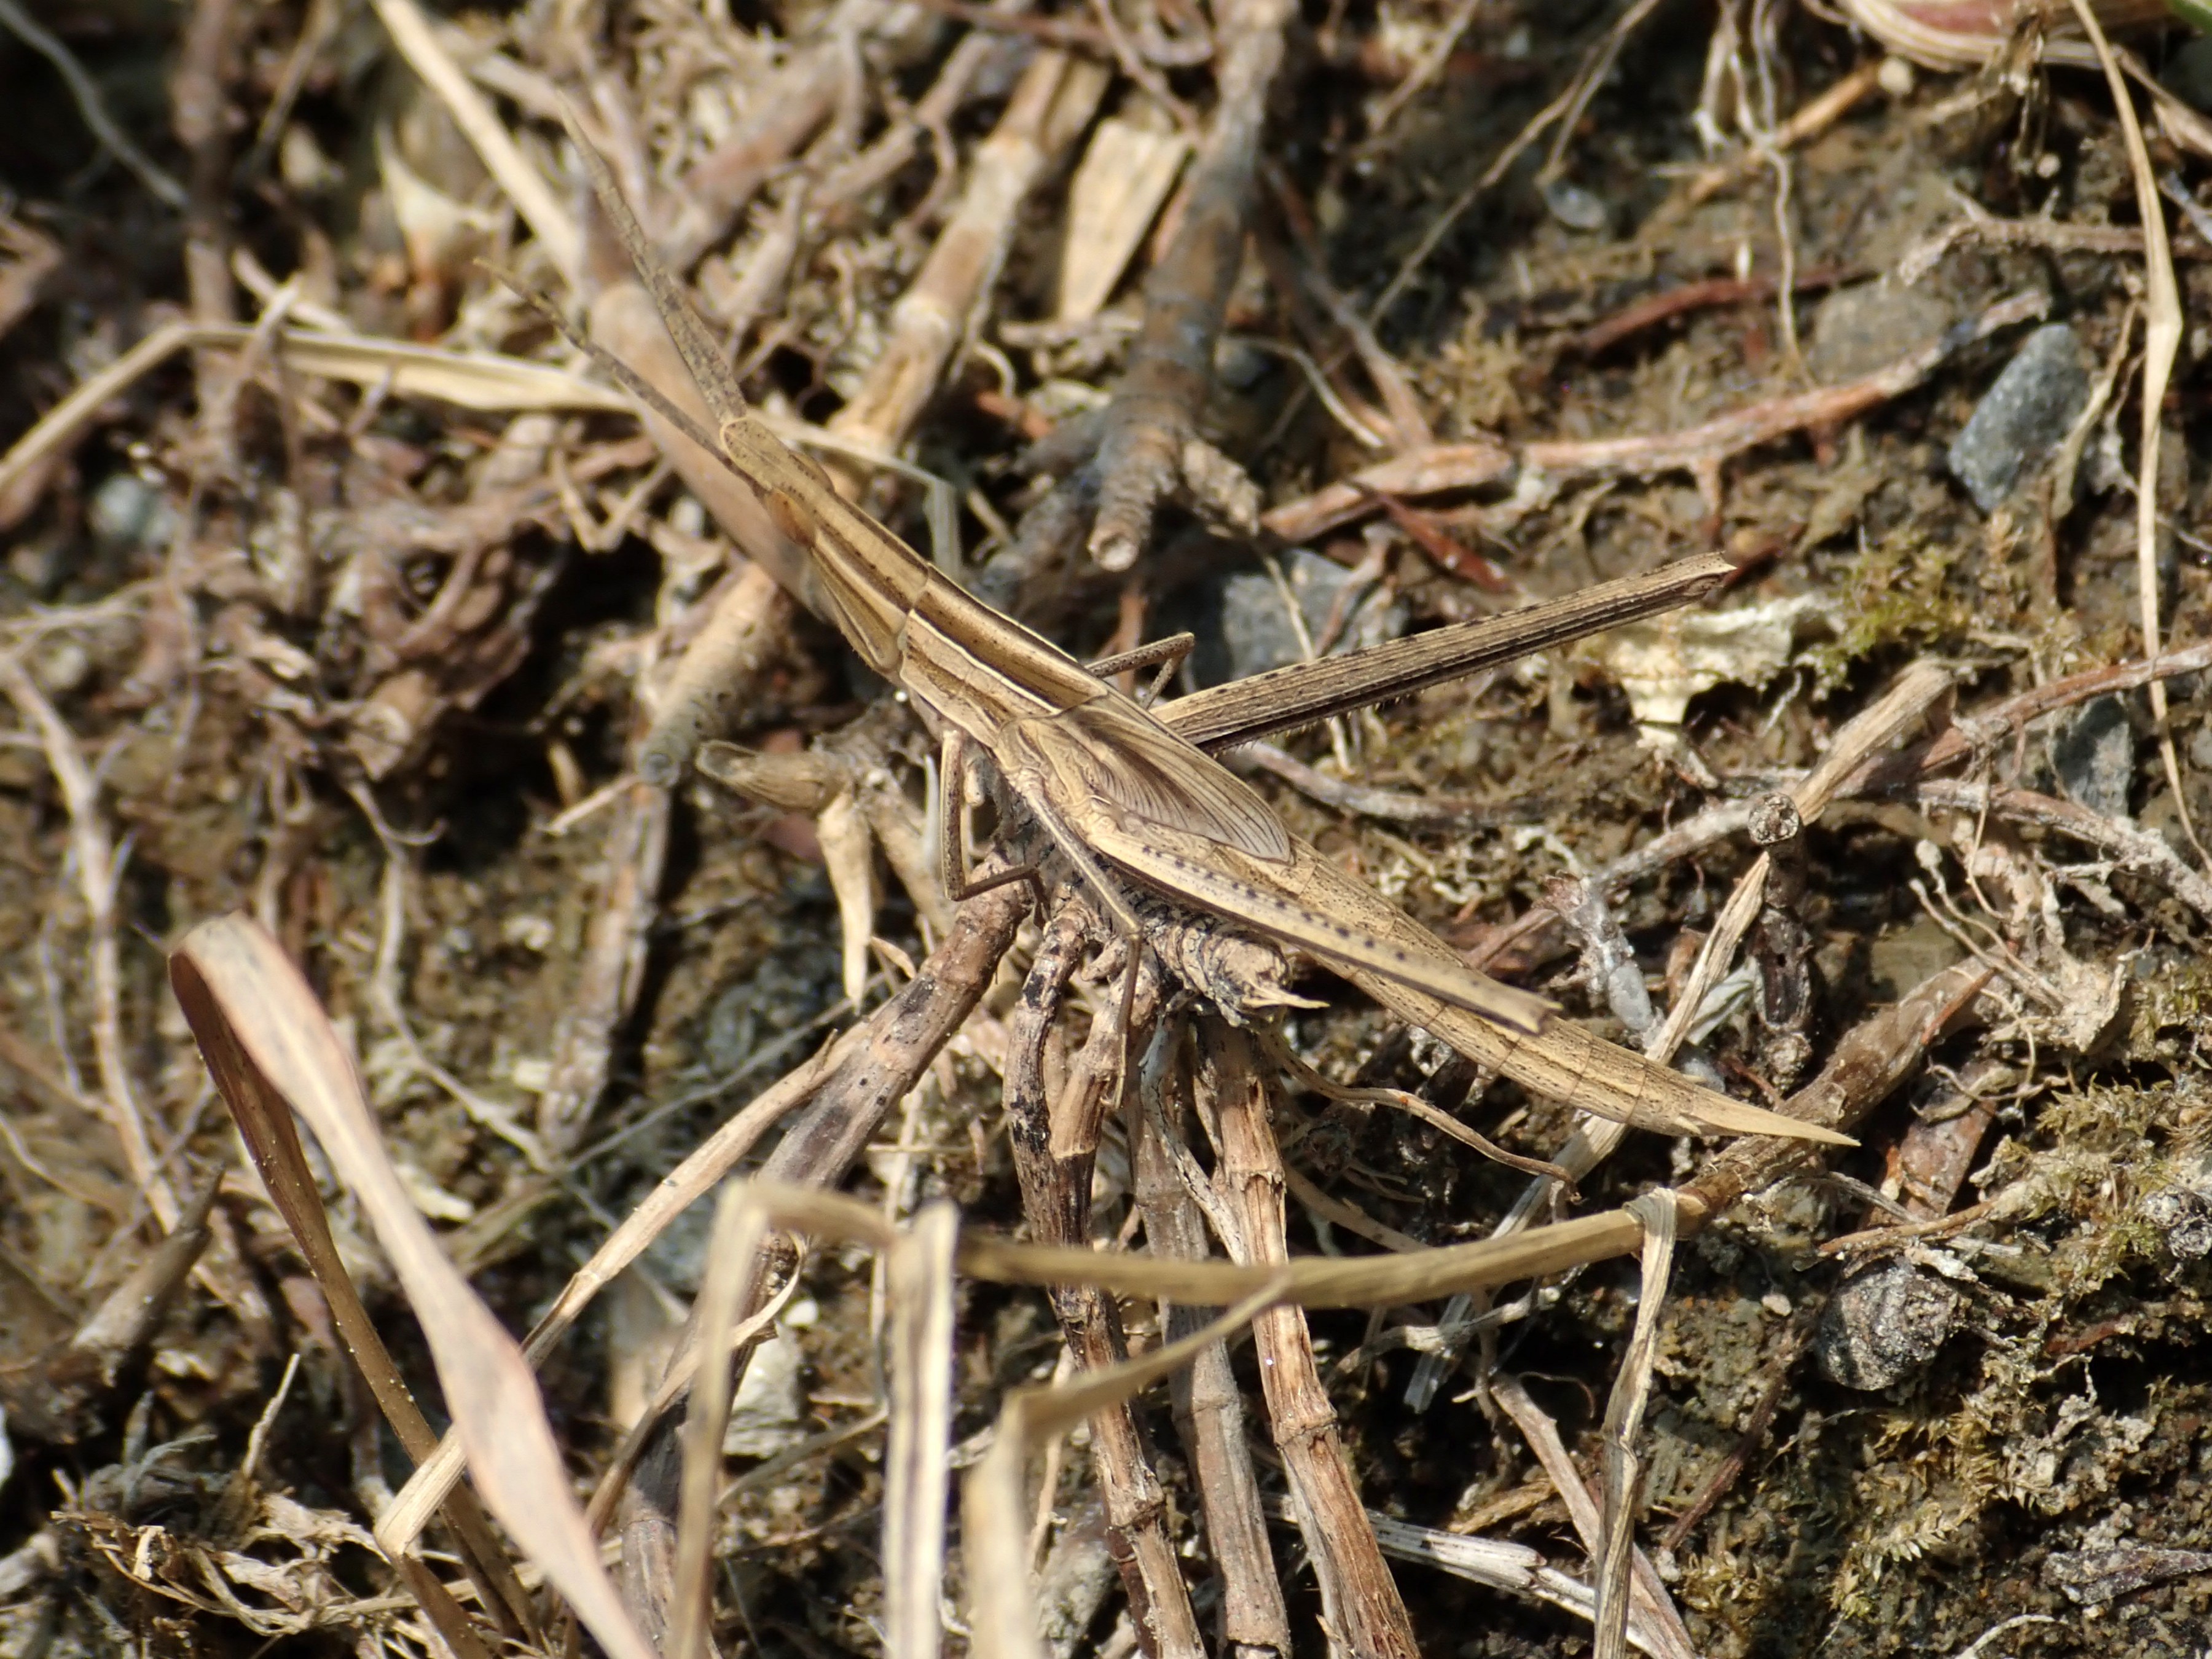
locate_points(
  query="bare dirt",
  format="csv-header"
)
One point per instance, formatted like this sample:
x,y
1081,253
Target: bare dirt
x,y
208,595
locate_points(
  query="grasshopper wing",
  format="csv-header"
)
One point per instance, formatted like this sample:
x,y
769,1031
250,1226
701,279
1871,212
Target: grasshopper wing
x,y
1254,896
1113,753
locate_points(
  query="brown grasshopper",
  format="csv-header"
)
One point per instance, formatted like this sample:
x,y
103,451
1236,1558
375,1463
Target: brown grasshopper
x,y
1122,793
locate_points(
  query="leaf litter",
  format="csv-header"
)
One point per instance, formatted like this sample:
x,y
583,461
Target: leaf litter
x,y
348,601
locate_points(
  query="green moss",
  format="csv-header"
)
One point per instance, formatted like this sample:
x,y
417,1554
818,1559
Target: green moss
x,y
1906,591
2171,1018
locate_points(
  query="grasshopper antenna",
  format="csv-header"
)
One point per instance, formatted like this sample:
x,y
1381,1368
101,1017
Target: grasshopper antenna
x,y
717,382
628,377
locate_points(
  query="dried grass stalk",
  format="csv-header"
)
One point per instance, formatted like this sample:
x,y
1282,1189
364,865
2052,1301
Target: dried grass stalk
x,y
738,1228
272,1050
1624,1418
1209,1405
1001,1612
1051,104
916,1479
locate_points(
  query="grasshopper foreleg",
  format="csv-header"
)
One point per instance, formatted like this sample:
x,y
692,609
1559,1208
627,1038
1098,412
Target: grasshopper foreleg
x,y
953,860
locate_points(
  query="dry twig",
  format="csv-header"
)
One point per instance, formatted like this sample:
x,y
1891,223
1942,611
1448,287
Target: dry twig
x,y
98,872
1146,447
1534,471
1209,1405
2162,328
1054,1132
1359,1599
91,106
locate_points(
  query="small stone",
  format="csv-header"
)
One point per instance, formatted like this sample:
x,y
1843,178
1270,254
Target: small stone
x,y
1576,208
39,564
2021,418
2184,1214
1255,633
60,665
767,1414
1860,329
2090,1577
1883,1323
127,511
2095,756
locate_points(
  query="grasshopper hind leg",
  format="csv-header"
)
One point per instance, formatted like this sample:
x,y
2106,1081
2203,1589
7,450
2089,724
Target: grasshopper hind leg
x,y
1167,654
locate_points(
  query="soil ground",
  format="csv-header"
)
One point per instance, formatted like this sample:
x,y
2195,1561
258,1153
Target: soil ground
x,y
2031,1459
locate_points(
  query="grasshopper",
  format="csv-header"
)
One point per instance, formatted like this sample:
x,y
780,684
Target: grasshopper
x,y
1124,796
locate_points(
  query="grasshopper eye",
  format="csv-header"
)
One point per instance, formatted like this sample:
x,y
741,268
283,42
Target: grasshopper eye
x,y
792,517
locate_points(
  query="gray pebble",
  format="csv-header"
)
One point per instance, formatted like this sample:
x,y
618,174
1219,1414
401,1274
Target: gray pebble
x,y
769,1407
126,511
2091,1577
2022,417
1883,1323
2184,1214
1576,208
1256,629
1861,329
2095,756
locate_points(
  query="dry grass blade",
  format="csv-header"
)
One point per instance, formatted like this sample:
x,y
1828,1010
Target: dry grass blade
x,y
534,199
271,1045
738,1229
1908,699
1001,1614
1654,1607
915,1475
676,1382
265,1124
2162,328
96,873
1314,1281
1309,1281
468,380
1623,1417
677,1191
1514,1568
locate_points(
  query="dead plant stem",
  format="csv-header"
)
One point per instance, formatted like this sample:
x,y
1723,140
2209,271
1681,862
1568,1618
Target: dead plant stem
x,y
1054,1141
1359,1599
98,870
